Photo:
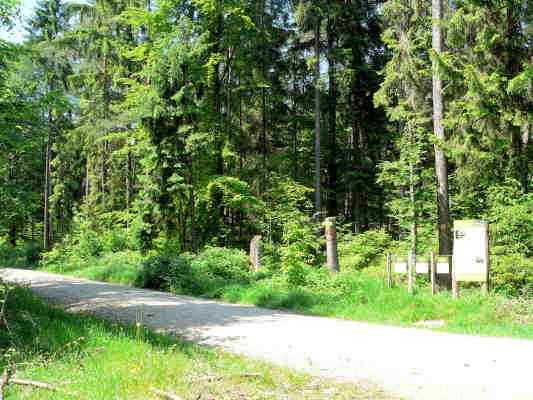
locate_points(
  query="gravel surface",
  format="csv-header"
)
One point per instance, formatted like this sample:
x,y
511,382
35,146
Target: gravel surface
x,y
412,363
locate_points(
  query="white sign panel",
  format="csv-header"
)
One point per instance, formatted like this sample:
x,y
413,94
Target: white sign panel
x,y
422,267
400,267
471,251
443,265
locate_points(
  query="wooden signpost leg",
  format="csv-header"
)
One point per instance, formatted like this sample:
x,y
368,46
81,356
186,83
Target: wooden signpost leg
x,y
411,264
433,272
455,284
485,288
389,271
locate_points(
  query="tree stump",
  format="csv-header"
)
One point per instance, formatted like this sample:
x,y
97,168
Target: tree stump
x,y
332,255
256,252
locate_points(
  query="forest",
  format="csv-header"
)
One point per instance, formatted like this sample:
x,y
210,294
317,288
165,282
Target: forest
x,y
140,140
155,144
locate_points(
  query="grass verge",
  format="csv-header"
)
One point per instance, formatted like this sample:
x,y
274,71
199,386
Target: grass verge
x,y
90,359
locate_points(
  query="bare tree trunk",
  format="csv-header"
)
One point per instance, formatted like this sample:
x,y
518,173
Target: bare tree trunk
x,y
332,255
13,234
47,231
318,205
129,188
255,252
87,177
525,156
441,167
414,226
332,122
216,35
192,204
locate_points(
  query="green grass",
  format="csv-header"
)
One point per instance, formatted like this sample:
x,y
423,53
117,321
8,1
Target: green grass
x,y
369,301
90,359
355,295
122,267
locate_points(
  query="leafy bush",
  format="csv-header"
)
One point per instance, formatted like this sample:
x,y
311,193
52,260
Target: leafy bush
x,y
32,252
114,239
167,273
358,251
24,255
512,275
219,266
299,251
511,216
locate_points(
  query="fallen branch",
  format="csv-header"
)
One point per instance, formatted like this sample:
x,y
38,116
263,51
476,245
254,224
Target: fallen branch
x,y
40,385
249,375
165,395
213,378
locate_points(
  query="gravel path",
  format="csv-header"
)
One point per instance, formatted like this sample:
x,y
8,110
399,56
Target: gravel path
x,y
413,363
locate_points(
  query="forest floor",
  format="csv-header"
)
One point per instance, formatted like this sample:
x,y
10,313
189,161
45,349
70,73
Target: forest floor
x,y
408,362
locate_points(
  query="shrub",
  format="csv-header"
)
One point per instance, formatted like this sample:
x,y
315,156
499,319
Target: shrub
x,y
24,255
300,249
358,251
222,264
512,275
113,240
32,252
511,216
167,273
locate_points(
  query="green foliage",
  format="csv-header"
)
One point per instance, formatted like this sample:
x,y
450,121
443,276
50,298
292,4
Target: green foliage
x,y
512,275
216,267
359,251
172,273
90,239
234,196
24,255
510,213
206,273
299,249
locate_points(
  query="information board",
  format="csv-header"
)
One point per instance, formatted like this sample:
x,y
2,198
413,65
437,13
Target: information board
x,y
422,267
400,266
471,251
443,265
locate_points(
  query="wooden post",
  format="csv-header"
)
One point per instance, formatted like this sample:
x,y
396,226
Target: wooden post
x,y
433,273
255,253
332,255
455,284
485,285
389,271
411,265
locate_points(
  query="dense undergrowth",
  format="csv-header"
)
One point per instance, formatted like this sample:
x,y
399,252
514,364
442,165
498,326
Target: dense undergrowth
x,y
90,359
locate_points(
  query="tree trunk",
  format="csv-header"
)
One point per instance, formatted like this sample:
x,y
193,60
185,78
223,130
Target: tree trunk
x,y
217,102
87,178
13,234
318,205
441,167
414,225
525,156
255,253
47,231
332,255
192,204
332,122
